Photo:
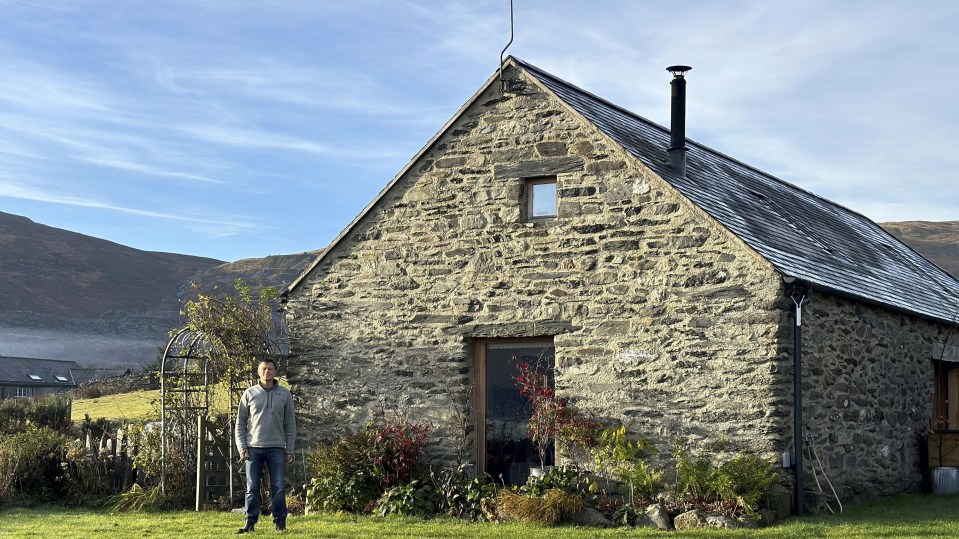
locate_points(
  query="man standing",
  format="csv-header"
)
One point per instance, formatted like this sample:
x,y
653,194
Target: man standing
x,y
265,432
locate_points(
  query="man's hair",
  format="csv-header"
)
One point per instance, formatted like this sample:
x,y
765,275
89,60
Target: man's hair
x,y
269,360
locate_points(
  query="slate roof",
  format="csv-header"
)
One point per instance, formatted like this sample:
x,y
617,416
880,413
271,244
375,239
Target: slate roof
x,y
804,236
23,371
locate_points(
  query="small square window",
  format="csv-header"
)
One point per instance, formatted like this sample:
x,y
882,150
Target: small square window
x,y
35,378
22,392
541,194
62,378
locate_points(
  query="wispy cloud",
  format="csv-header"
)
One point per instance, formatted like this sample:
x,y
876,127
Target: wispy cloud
x,y
153,107
11,189
264,140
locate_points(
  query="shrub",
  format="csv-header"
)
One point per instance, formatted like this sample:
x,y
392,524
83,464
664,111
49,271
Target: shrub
x,y
49,411
416,498
398,446
13,415
694,475
553,418
736,485
551,508
624,459
87,472
30,462
352,473
92,391
744,480
462,497
565,478
342,478
624,515
645,481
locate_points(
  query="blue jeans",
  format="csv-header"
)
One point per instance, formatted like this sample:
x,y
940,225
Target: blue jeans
x,y
275,460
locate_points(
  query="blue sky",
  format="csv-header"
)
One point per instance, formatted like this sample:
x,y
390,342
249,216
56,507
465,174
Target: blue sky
x,y
236,129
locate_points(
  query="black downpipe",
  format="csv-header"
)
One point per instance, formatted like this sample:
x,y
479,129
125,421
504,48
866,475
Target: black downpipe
x,y
800,297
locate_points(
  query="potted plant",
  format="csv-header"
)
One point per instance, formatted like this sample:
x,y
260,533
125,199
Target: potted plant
x,y
541,398
943,479
552,420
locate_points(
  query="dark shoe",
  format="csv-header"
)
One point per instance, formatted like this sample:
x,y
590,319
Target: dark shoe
x,y
247,529
280,525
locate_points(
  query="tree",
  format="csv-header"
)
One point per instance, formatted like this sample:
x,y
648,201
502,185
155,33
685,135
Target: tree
x,y
241,331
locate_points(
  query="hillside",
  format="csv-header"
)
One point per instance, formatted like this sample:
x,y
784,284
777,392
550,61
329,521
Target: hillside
x,y
65,274
71,296
937,241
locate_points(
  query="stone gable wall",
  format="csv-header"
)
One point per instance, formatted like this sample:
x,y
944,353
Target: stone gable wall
x,y
662,319
868,392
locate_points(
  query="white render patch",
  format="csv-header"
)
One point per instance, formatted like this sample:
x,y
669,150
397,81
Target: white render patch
x,y
634,356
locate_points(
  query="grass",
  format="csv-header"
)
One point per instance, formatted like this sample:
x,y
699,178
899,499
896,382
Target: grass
x,y
135,405
905,516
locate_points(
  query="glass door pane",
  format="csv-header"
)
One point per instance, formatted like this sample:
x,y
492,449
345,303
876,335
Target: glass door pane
x,y
509,450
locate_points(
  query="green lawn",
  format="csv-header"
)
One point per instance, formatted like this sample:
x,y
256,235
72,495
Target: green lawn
x,y
919,516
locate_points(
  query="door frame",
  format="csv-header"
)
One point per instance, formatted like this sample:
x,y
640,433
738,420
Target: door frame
x,y
479,396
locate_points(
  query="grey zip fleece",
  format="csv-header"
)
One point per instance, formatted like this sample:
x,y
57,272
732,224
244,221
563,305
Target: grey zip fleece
x,y
266,418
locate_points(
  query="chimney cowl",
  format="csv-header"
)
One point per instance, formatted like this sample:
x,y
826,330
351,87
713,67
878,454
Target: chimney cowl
x,y
677,143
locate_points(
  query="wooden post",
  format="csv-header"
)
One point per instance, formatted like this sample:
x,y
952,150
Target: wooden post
x,y
200,452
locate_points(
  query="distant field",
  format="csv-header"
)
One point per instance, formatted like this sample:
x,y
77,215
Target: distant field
x,y
136,405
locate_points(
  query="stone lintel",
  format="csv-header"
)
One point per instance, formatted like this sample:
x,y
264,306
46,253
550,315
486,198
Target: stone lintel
x,y
516,330
539,167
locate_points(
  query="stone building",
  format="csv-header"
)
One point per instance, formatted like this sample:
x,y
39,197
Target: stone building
x,y
543,222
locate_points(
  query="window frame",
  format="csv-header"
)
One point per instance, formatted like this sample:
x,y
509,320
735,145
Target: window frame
x,y
530,185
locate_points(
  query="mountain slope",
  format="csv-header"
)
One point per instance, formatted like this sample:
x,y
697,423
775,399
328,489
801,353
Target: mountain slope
x,y
71,296
60,273
937,241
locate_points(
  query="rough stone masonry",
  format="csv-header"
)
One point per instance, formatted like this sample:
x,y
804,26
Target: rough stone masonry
x,y
661,318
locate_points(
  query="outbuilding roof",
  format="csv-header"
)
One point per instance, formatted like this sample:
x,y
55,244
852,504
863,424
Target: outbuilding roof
x,y
808,239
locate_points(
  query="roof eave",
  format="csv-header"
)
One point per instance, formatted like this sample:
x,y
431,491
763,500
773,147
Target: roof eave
x,y
819,287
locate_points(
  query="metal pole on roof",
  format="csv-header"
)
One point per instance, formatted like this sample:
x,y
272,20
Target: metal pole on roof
x,y
502,82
